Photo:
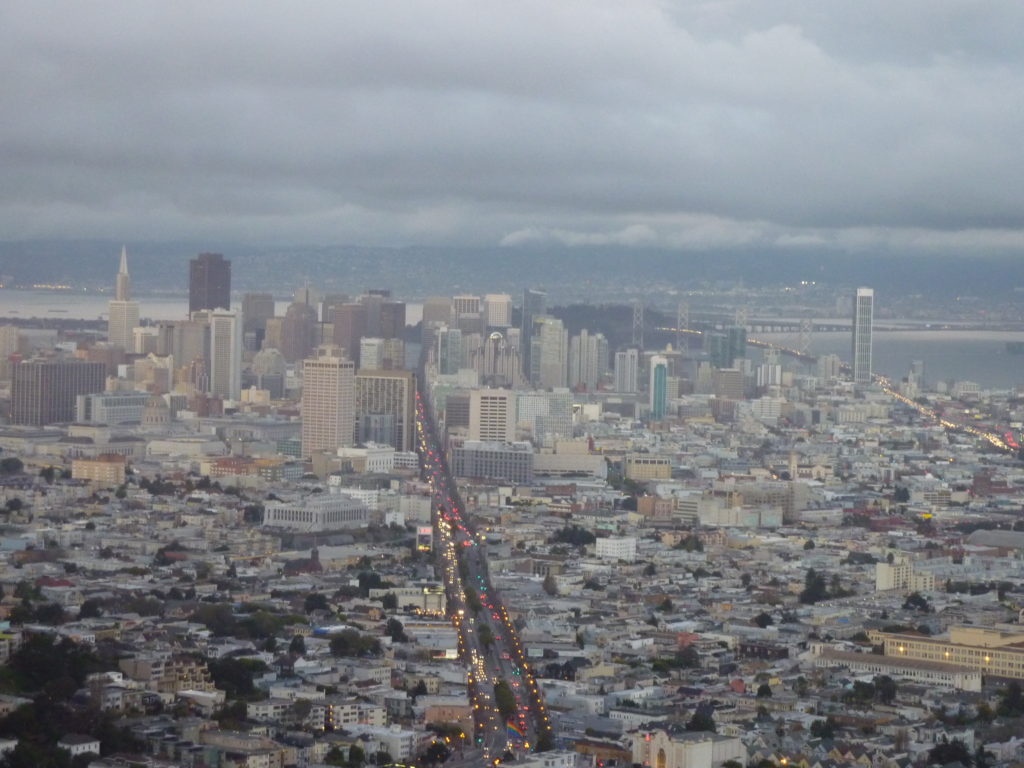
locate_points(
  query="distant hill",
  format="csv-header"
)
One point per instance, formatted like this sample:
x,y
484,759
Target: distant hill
x,y
591,274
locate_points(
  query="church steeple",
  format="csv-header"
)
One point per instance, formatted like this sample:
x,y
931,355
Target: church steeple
x,y
122,289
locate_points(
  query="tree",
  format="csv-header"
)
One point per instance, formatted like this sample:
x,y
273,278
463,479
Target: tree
x,y
666,605
485,636
41,659
809,544
335,757
1011,701
235,676
297,647
916,602
764,620
505,699
814,588
982,757
954,751
823,729
702,720
11,465
545,741
688,657
315,601
885,688
550,586
350,642
436,753
14,504
301,709
575,535
764,691
396,630
356,756
389,602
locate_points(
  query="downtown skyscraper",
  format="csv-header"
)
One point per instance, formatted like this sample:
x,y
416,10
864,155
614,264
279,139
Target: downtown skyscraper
x,y
209,282
863,318
328,400
122,312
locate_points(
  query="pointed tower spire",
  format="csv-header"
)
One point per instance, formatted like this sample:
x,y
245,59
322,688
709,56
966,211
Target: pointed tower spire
x,y
122,291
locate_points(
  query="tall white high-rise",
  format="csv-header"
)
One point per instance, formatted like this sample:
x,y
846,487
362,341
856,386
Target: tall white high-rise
x,y
225,354
465,304
492,415
549,352
328,400
588,359
449,350
658,389
371,354
627,371
863,317
122,312
498,310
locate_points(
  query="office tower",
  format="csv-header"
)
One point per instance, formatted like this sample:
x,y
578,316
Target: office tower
x,y
268,372
394,355
498,310
737,338
328,400
8,349
829,367
209,282
729,383
466,314
724,348
627,371
123,313
190,340
330,301
371,303
350,327
548,415
549,352
535,303
45,391
257,308
225,354
298,331
392,319
917,372
437,309
588,360
498,362
449,350
307,295
492,415
863,316
456,410
371,354
466,304
384,403
658,389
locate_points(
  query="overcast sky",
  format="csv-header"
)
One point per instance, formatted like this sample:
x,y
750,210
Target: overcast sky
x,y
862,125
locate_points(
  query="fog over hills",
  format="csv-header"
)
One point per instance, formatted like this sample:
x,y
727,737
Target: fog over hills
x,y
605,272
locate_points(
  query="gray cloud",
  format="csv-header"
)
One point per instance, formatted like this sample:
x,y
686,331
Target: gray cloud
x,y
683,125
